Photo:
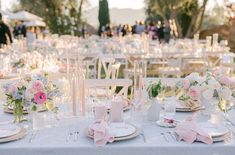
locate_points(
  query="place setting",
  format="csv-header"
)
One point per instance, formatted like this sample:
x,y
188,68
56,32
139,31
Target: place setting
x,y
110,127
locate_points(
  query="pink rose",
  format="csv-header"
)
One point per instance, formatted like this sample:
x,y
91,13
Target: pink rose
x,y
224,80
194,93
186,84
37,86
40,97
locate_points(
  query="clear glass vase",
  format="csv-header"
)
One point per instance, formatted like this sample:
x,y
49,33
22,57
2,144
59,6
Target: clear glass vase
x,y
18,111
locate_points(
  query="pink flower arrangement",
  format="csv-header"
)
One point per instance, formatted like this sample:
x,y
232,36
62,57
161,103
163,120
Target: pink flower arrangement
x,y
37,86
40,97
194,93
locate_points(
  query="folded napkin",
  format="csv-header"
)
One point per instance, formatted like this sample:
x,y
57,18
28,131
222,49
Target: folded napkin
x,y
116,110
101,133
189,131
100,112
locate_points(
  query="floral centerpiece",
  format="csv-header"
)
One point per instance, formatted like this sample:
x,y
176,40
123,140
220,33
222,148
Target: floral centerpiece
x,y
207,90
32,92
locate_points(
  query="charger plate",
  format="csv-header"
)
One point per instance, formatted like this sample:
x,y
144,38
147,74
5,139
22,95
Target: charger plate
x,y
21,134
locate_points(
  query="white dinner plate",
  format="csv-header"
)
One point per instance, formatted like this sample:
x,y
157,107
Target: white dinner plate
x,y
9,130
21,134
131,136
122,129
214,130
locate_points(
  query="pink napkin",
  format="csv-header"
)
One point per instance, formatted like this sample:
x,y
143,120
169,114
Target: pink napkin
x,y
116,110
100,112
190,132
101,133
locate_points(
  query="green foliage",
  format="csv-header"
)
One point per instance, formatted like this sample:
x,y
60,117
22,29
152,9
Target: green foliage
x,y
61,16
103,16
185,16
154,89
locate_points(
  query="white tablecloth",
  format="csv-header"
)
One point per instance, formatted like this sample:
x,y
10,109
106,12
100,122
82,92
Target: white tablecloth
x,y
52,141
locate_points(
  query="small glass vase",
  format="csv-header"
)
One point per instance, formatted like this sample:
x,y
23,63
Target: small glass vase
x,y
18,111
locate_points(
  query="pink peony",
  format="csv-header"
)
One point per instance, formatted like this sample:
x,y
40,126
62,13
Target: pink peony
x,y
224,80
40,97
194,93
186,84
37,86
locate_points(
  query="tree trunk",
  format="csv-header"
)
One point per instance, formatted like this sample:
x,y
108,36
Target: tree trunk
x,y
196,20
174,14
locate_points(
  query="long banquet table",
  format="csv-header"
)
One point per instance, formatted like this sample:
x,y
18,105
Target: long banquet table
x,y
52,141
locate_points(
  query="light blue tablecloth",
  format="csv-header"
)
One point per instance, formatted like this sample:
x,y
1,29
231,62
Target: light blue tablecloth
x,y
52,141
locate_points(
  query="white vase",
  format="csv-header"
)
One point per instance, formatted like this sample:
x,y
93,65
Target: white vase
x,y
154,111
209,105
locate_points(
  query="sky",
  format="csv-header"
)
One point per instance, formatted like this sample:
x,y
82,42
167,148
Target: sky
x,y
134,4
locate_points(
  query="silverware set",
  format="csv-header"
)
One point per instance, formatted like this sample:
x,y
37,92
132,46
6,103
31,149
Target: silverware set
x,y
33,135
72,136
169,136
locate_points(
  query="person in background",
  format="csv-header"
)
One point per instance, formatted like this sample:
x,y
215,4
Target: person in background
x,y
160,32
108,30
31,35
119,30
134,27
124,30
4,32
140,28
15,30
152,30
20,30
167,31
128,29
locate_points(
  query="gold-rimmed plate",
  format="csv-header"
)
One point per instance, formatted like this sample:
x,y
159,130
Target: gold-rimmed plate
x,y
21,134
121,137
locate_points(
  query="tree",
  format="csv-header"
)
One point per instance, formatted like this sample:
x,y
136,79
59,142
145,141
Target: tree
x,y
187,14
61,16
103,16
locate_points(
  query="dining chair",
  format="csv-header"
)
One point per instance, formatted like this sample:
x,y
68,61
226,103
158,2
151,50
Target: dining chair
x,y
105,64
112,87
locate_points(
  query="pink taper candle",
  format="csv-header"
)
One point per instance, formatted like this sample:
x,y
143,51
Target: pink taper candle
x,y
140,87
74,97
83,98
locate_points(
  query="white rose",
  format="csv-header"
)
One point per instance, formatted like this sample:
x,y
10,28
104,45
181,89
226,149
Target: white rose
x,y
208,94
225,93
192,77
